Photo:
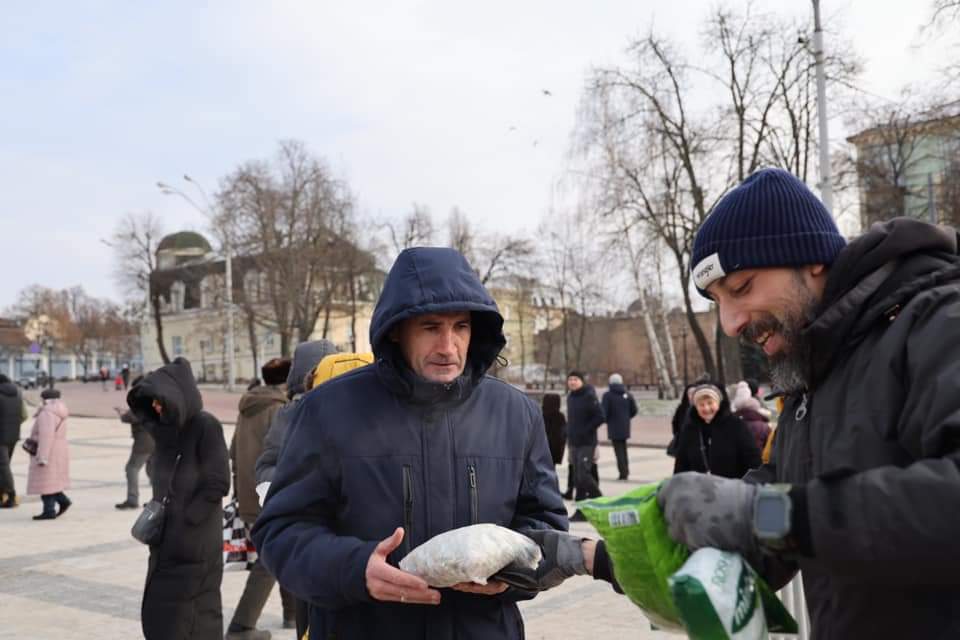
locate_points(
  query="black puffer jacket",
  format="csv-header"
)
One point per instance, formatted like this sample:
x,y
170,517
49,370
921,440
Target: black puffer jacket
x,y
181,600
11,413
584,416
724,447
379,447
873,447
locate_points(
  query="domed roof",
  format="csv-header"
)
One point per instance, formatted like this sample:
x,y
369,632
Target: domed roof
x,y
184,240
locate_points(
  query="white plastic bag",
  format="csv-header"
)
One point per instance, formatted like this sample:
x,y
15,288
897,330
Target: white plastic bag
x,y
470,554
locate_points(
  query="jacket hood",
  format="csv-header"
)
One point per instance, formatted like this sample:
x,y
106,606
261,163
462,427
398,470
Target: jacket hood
x,y
875,276
260,398
437,280
305,357
8,389
55,406
174,386
617,388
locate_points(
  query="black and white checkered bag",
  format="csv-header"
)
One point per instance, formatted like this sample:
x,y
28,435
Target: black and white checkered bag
x,y
238,551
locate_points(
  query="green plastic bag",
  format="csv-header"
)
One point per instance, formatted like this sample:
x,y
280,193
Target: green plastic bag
x,y
645,557
643,554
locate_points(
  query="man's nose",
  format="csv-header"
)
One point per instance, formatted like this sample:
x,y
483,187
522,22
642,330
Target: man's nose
x,y
733,320
445,342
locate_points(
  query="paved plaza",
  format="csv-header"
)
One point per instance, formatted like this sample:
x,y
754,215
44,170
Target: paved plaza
x,y
81,577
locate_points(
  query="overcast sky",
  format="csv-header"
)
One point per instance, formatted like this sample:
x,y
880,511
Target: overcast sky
x,y
410,101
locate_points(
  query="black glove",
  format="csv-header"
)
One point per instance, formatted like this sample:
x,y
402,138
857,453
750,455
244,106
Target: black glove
x,y
562,558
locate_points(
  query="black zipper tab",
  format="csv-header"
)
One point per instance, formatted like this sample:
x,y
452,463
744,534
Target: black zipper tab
x,y
407,507
474,495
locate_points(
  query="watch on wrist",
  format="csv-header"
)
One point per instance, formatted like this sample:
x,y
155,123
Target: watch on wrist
x,y
772,517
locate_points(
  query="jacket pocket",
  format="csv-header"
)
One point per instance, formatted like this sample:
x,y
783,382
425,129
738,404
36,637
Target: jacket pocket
x,y
407,506
474,494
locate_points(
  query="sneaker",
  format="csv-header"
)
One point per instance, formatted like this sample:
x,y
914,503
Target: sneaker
x,y
45,516
126,504
248,634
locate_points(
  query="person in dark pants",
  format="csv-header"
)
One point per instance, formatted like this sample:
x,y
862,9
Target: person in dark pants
x,y
12,415
181,597
584,417
140,456
49,473
258,408
619,407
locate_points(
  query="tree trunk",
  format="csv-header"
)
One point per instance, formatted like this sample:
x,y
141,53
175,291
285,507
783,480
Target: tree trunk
x,y
659,363
158,323
252,334
697,331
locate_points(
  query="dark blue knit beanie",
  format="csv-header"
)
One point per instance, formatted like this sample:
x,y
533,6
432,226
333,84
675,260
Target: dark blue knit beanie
x,y
771,220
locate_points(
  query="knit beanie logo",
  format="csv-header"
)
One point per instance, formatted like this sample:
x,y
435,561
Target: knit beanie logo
x,y
708,271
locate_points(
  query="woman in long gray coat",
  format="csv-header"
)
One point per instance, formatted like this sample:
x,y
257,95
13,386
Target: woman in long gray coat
x,y
181,599
49,473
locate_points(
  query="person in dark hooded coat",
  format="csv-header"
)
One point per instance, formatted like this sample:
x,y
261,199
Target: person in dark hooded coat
x,y
181,599
385,457
619,408
556,424
714,440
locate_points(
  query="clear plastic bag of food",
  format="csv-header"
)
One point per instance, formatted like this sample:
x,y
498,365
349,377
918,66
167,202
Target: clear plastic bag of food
x,y
470,554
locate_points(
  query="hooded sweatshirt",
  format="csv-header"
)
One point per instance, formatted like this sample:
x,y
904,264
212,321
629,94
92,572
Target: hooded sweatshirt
x,y
379,447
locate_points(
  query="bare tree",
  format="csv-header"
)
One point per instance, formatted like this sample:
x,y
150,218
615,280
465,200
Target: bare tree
x,y
651,153
280,216
134,242
415,229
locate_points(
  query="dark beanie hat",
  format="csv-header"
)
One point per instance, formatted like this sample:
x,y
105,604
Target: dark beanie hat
x,y
771,220
576,374
50,394
275,371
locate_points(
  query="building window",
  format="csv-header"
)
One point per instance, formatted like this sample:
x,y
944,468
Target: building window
x,y
177,342
177,293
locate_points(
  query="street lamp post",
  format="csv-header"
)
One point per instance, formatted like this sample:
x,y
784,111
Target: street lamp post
x,y
228,268
826,186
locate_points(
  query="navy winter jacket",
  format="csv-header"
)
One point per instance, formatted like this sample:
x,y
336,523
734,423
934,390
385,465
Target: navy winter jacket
x,y
380,447
618,407
584,416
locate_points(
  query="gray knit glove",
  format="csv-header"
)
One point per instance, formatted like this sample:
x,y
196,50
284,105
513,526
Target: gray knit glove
x,y
708,511
562,559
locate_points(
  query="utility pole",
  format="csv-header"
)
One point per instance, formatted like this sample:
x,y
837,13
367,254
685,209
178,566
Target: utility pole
x,y
826,185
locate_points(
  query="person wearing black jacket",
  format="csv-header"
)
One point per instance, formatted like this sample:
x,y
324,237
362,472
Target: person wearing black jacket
x,y
715,441
680,416
584,417
140,453
181,599
12,415
618,408
556,425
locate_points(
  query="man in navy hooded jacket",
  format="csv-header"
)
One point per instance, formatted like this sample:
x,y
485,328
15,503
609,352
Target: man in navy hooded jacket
x,y
383,458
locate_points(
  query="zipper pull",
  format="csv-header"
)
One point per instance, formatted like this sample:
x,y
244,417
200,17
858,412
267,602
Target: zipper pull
x,y
802,409
473,476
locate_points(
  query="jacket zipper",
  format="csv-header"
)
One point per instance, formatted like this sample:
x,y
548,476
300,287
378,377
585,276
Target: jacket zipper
x,y
407,507
474,495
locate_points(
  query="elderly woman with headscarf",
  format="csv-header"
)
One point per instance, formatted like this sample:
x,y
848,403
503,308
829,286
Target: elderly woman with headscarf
x,y
714,440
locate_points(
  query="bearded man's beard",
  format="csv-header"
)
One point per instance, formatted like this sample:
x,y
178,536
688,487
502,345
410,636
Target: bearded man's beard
x,y
790,367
